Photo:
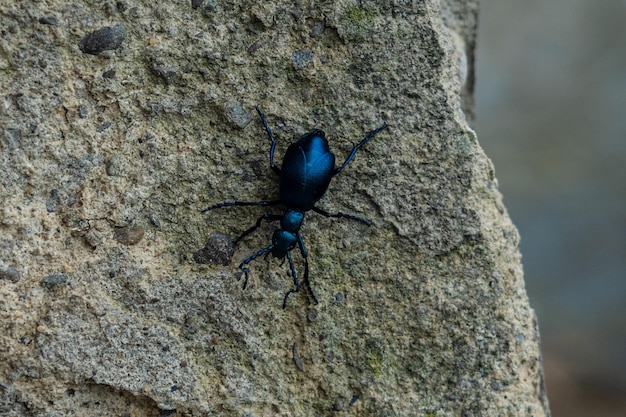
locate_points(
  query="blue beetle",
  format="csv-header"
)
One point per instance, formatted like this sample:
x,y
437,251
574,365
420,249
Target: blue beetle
x,y
307,169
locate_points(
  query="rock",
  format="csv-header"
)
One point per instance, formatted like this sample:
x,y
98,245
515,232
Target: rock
x,y
9,273
301,59
107,38
423,312
129,235
52,281
219,250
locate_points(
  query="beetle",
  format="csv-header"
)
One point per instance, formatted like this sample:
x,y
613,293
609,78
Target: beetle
x,y
307,169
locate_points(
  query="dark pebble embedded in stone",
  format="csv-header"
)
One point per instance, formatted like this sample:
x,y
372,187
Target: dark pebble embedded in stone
x,y
129,235
51,281
109,74
255,46
219,249
301,59
9,273
106,39
155,221
49,20
296,357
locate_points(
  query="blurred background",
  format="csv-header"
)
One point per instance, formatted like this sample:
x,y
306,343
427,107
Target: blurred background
x,y
551,115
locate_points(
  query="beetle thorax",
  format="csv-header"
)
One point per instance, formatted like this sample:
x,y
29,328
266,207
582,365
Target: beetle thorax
x,y
292,220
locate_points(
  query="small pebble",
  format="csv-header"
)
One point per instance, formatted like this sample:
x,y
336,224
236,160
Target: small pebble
x,y
155,221
129,235
106,39
219,249
301,59
49,20
51,281
9,273
109,74
296,357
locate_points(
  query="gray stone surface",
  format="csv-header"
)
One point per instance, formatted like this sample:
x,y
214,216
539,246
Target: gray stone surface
x,y
424,313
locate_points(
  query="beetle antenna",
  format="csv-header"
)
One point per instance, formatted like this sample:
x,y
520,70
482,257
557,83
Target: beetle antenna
x,y
250,259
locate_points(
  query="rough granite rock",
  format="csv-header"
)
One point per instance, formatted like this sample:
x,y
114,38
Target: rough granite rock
x,y
108,159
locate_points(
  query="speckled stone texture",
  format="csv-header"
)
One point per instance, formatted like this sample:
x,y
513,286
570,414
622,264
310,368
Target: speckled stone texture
x,y
113,141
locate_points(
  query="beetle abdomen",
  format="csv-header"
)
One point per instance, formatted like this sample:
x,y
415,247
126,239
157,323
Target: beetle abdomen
x,y
306,171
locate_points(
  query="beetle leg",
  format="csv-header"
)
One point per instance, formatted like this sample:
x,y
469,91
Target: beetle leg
x,y
296,283
242,203
307,283
271,136
357,146
250,259
345,216
268,217
305,280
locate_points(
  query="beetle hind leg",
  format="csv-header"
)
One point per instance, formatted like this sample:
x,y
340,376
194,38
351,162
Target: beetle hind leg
x,y
271,136
357,146
342,215
241,203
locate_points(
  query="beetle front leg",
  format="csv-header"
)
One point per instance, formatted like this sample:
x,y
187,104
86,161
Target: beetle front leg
x,y
296,283
305,280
